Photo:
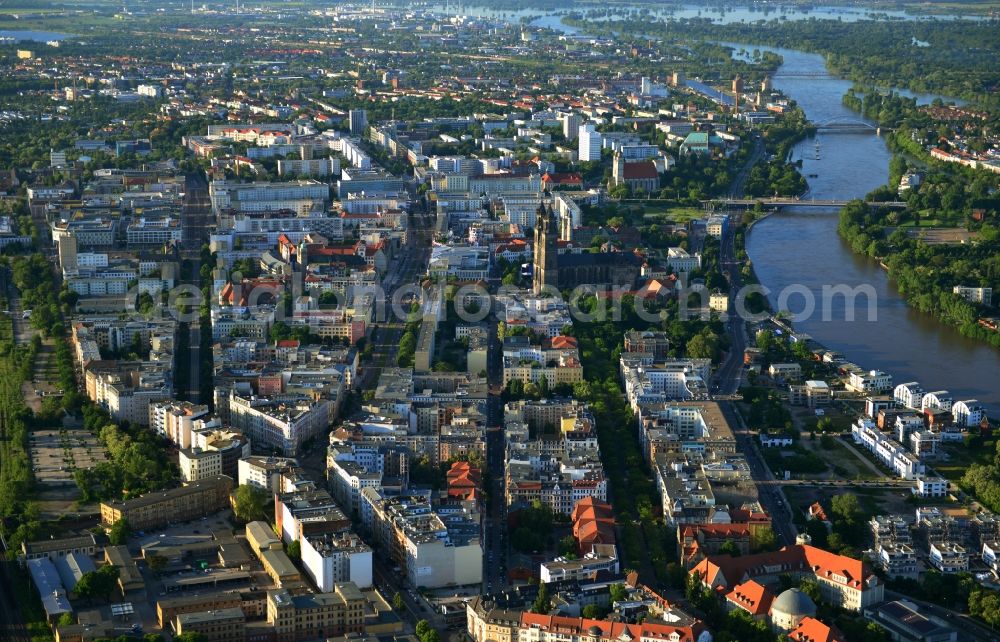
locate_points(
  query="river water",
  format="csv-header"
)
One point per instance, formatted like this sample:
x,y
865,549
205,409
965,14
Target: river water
x,y
802,248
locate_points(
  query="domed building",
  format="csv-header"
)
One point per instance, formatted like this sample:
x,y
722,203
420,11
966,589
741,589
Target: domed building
x,y
790,608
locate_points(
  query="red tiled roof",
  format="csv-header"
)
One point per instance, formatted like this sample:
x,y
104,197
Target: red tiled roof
x,y
812,630
640,170
752,597
724,570
583,627
562,342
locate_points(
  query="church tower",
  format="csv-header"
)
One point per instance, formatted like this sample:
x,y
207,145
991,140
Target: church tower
x,y
546,251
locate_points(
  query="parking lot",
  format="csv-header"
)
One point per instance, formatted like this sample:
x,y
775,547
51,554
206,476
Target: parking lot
x,y
57,453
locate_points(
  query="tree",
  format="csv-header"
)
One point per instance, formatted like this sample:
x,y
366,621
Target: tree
x,y
810,588
567,547
730,547
593,612
397,601
846,506
100,583
66,619
703,346
765,540
119,532
294,551
423,628
249,503
542,603
618,592
156,563
190,637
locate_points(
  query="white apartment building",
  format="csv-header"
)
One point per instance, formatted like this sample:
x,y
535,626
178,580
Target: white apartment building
x,y
870,382
898,560
665,381
265,472
333,558
983,296
149,91
930,487
196,463
347,479
967,413
681,261
889,451
908,395
175,420
603,557
991,556
590,143
281,423
242,196
948,557
311,167
432,550
937,400
153,231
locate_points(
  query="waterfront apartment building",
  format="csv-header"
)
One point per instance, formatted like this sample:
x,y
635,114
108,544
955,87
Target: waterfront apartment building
x,y
160,508
872,381
982,296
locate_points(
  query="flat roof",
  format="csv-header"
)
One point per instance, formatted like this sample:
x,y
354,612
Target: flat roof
x,y
159,496
232,613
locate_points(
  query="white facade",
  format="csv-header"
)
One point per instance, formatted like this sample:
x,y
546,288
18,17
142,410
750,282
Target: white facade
x,y
332,559
937,400
908,395
870,382
982,296
561,569
948,558
590,143
198,464
889,451
264,472
967,413
681,261
930,487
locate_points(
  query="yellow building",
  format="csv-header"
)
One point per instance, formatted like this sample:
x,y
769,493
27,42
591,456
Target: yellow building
x,y
157,509
484,622
319,615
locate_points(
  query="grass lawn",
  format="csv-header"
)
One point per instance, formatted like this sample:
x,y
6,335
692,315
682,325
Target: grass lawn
x,y
675,214
960,457
844,463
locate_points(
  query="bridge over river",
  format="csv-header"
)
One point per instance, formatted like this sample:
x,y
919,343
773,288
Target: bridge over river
x,y
787,201
848,126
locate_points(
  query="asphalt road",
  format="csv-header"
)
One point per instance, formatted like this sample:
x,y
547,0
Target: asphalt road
x,y
729,376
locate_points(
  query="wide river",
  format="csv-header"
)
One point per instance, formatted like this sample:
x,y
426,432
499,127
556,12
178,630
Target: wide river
x,y
802,248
